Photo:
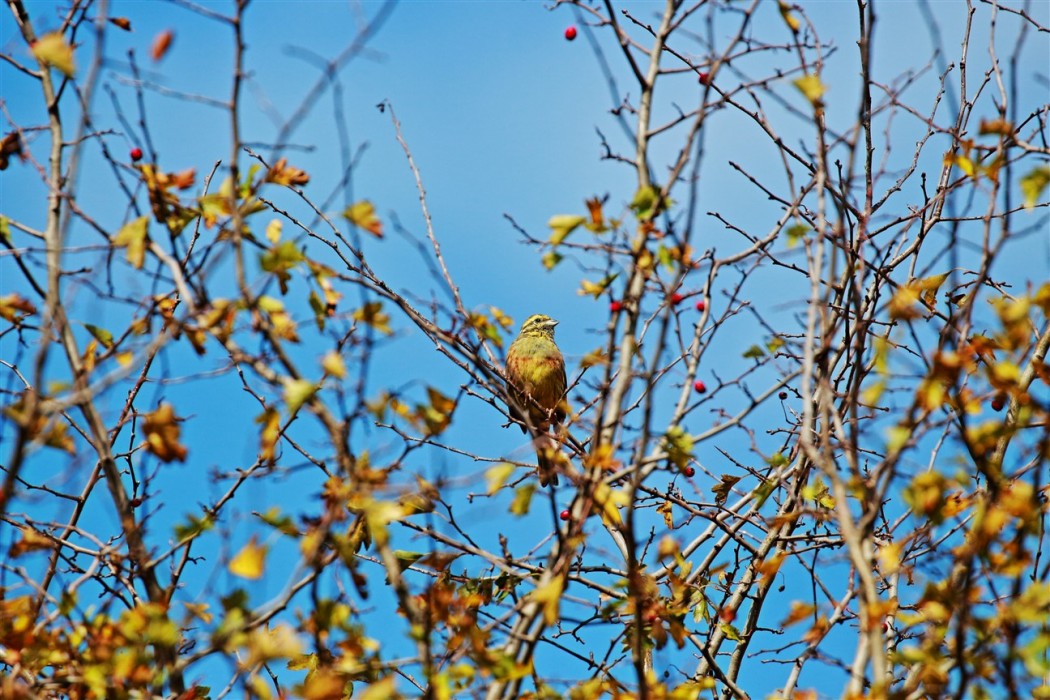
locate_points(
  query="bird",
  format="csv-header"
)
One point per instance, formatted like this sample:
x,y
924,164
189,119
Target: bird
x,y
536,386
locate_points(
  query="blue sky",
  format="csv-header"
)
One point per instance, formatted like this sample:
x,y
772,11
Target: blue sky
x,y
501,114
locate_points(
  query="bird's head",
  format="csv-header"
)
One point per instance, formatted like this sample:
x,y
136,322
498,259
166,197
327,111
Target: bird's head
x,y
538,325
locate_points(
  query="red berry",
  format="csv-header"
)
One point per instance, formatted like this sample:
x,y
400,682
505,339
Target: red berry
x,y
701,305
570,32
136,154
705,78
615,306
689,471
699,387
998,402
676,298
565,515
783,395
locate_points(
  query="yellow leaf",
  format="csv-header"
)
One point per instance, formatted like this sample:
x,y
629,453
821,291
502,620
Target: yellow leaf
x,y
496,476
811,88
363,215
52,50
562,225
380,690
333,364
789,19
250,561
1033,184
133,236
890,558
297,392
549,597
270,420
372,314
595,289
273,230
522,499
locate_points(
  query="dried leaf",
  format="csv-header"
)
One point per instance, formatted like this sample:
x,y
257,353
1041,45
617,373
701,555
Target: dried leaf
x,y
162,434
281,173
372,314
363,215
11,145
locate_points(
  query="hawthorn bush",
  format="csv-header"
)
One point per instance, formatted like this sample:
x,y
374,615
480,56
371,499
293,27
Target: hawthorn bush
x,y
252,421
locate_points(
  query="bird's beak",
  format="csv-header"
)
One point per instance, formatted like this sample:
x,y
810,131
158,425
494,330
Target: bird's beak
x,y
552,323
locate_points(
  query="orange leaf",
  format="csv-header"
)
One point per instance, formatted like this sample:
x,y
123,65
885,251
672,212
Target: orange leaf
x,y
161,44
162,434
284,174
363,215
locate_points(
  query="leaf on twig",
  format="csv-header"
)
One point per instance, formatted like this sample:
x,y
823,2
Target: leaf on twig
x,y
811,88
363,215
250,561
52,50
162,434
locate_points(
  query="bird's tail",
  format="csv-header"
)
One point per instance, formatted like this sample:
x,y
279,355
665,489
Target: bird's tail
x,y
549,459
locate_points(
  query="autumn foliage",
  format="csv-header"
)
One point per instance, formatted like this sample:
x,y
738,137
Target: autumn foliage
x,y
252,423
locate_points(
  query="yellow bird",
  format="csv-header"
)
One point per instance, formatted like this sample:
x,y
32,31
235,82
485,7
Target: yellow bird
x,y
536,385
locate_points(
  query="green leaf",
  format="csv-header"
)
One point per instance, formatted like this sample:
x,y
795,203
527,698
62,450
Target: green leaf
x,y
193,527
562,225
797,233
101,335
754,352
679,446
647,203
550,259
